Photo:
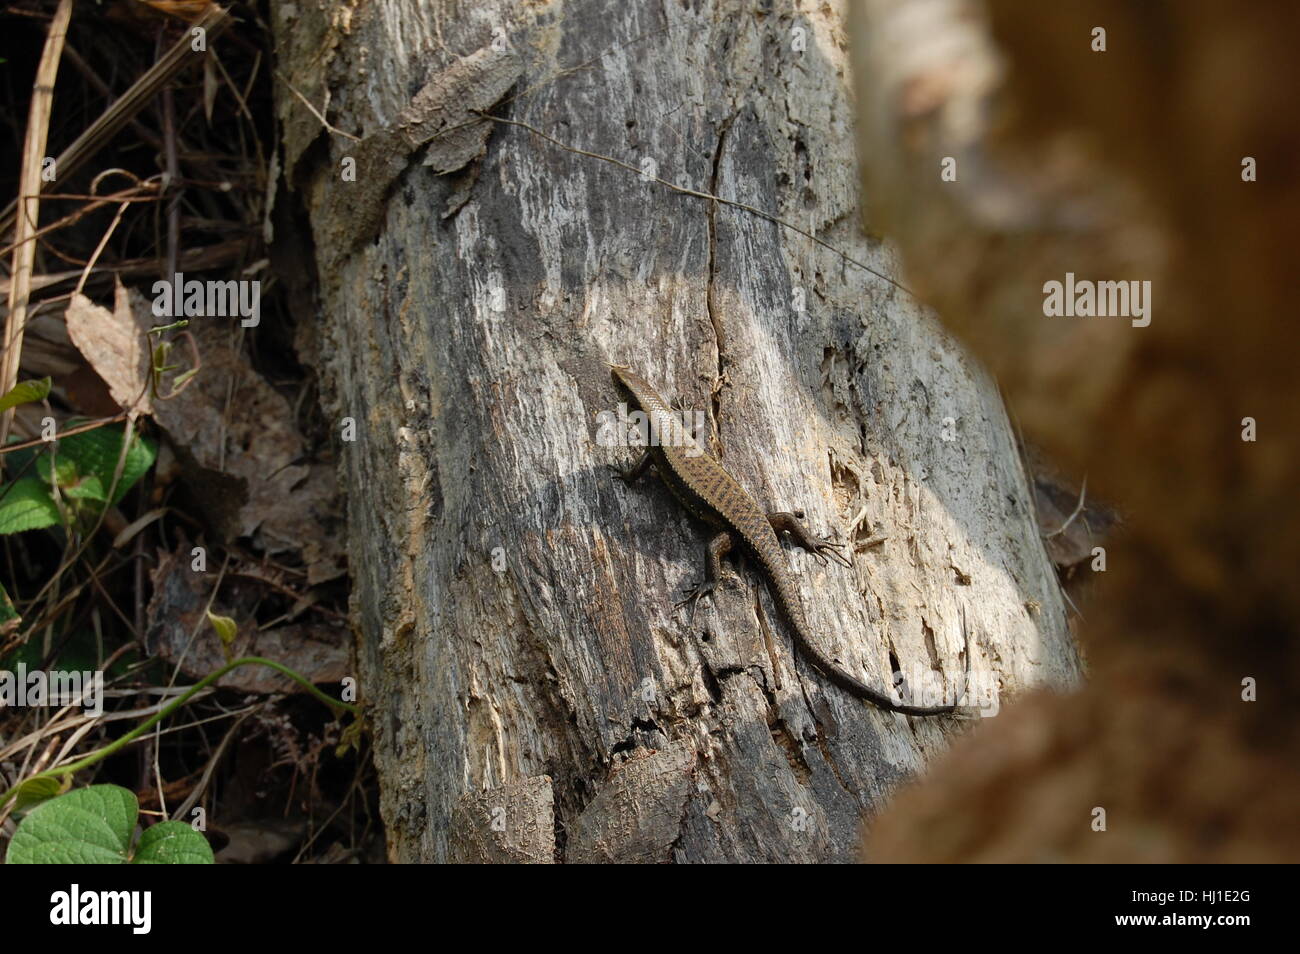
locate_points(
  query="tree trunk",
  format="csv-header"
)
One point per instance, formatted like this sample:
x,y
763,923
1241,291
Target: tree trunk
x,y
533,693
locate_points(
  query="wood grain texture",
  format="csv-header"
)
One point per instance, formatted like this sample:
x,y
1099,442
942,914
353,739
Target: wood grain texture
x,y
514,604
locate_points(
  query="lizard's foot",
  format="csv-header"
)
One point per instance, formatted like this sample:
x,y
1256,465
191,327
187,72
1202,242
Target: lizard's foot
x,y
792,523
693,596
822,549
630,475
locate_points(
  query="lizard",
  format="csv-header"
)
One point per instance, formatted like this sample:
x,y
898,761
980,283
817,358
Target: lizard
x,y
710,494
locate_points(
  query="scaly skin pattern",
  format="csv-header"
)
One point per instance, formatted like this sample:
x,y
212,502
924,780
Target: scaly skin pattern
x,y
713,496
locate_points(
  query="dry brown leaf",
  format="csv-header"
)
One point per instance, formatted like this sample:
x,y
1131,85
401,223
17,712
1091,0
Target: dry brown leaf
x,y
115,344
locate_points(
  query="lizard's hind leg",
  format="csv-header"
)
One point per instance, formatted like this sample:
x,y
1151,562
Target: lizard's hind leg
x,y
785,522
719,547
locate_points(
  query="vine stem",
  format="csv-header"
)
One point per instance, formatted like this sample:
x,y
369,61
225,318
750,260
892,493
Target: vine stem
x,y
142,728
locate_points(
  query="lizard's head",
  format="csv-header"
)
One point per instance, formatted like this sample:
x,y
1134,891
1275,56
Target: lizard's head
x,y
629,381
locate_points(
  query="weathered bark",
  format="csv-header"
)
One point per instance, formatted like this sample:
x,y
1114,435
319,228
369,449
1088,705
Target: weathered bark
x,y
530,683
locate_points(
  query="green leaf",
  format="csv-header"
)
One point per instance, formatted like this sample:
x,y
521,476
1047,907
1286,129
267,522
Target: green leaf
x,y
34,791
172,843
94,826
83,468
27,506
66,469
87,826
85,488
74,485
225,626
24,393
96,452
227,629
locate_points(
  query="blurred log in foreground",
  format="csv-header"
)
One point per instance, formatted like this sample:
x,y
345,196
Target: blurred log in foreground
x,y
1131,163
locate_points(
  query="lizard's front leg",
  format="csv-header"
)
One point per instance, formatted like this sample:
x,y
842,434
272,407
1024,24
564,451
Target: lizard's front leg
x,y
636,470
785,522
719,547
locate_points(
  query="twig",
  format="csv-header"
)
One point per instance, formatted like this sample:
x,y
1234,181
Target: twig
x,y
79,429
696,193
29,190
325,123
1078,509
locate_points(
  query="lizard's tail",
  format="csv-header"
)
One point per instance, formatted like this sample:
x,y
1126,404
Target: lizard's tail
x,y
859,688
